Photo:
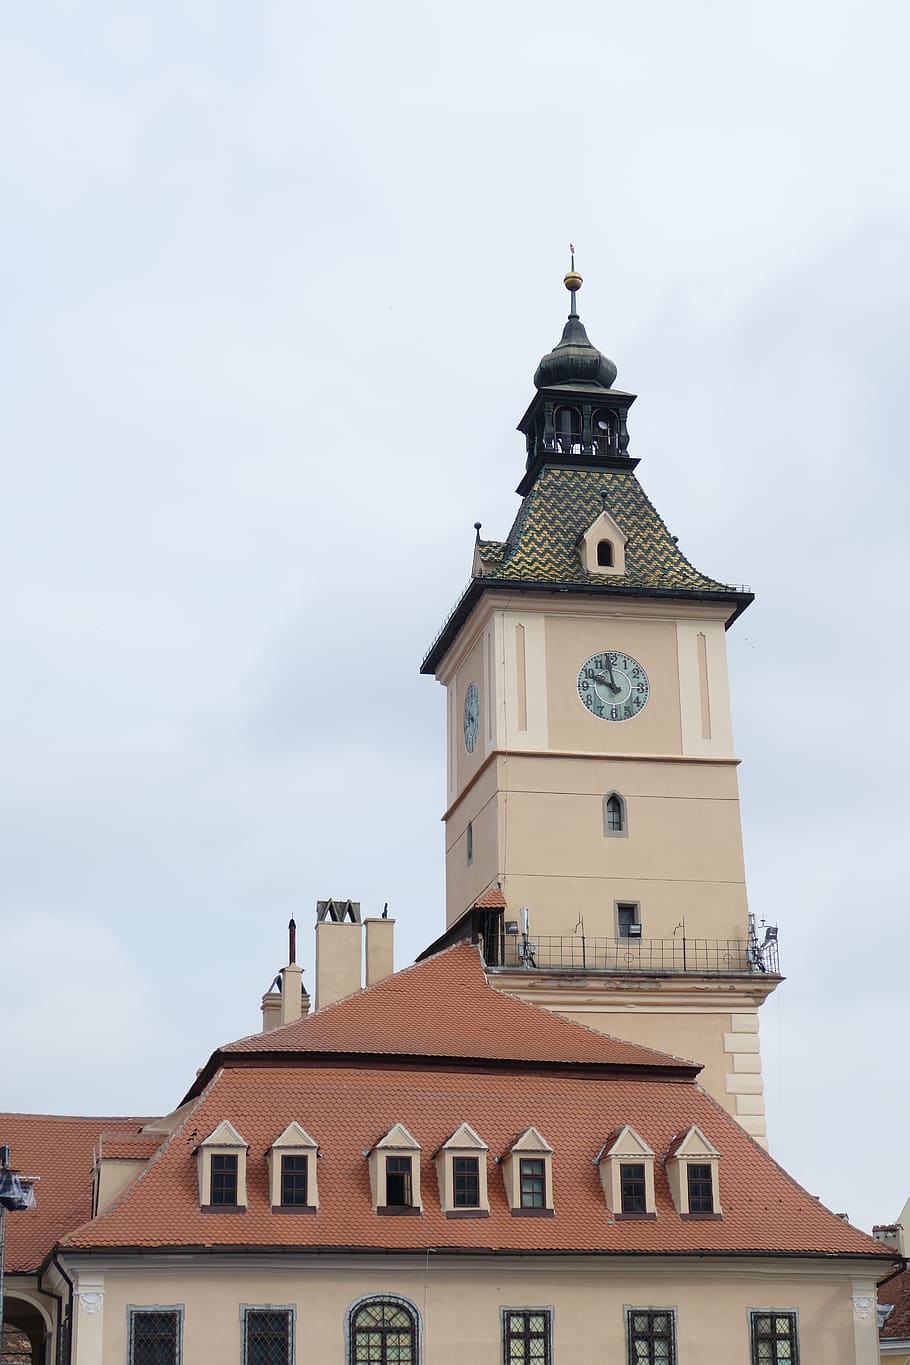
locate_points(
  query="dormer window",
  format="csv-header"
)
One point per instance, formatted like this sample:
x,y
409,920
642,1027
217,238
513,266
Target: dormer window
x,y
603,546
692,1171
395,1172
221,1169
461,1169
527,1172
224,1178
292,1172
627,1174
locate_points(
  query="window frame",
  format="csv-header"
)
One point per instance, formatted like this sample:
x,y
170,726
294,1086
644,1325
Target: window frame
x,y
506,1314
134,1310
793,1315
632,1356
221,1203
700,1195
537,1175
303,1170
640,1194
475,1175
635,907
246,1309
408,1173
392,1300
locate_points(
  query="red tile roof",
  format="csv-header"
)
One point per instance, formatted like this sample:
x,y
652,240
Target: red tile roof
x,y
59,1150
492,899
346,1109
444,1007
897,1292
129,1146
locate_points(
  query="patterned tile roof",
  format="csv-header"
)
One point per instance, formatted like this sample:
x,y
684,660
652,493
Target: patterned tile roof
x,y
542,545
60,1150
444,1007
897,1293
347,1109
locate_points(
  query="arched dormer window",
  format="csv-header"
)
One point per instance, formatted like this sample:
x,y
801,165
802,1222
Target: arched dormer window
x,y
383,1331
614,811
604,554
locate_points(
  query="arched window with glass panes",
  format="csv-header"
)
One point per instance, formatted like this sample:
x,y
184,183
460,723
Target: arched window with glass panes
x,y
616,823
383,1331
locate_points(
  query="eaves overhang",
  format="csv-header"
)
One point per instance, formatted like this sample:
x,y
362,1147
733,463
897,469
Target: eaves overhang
x,y
472,594
681,1072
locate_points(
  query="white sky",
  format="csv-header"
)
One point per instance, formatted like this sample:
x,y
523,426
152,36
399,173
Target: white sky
x,y
277,279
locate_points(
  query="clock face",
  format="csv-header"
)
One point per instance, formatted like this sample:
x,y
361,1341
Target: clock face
x,y
471,717
613,685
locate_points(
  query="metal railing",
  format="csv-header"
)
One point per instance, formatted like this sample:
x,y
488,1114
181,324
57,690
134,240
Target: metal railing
x,y
653,956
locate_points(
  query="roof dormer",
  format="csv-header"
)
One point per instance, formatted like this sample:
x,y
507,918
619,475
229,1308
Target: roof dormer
x,y
461,1169
221,1169
395,1172
292,1159
603,546
527,1173
692,1172
626,1165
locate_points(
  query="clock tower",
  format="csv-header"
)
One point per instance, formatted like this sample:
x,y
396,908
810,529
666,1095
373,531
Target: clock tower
x,y
593,839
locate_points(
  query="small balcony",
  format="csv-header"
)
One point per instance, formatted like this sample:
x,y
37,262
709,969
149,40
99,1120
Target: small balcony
x,y
633,956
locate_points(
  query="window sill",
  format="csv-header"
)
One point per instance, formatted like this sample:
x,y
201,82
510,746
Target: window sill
x,y
222,1208
635,1217
467,1213
398,1210
533,1213
702,1217
294,1208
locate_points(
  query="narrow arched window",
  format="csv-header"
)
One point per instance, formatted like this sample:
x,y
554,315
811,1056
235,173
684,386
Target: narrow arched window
x,y
604,554
614,814
383,1332
469,841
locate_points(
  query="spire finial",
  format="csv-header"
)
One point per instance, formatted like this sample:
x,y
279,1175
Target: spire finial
x,y
477,526
573,280
292,943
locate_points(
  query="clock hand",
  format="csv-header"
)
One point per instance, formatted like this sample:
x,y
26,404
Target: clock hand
x,y
602,677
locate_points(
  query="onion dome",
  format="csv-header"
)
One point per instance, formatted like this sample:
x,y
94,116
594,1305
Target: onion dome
x,y
574,360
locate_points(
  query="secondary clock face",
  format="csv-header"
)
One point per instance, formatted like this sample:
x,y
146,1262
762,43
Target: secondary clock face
x,y
613,685
471,717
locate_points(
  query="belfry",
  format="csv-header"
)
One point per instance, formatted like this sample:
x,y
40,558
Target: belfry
x,y
593,837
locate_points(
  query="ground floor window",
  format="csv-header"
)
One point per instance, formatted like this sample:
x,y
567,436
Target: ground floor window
x,y
155,1336
651,1334
268,1336
383,1332
774,1339
526,1336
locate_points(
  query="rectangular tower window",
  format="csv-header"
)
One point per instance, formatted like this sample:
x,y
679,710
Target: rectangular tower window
x,y
466,1182
224,1178
398,1181
628,919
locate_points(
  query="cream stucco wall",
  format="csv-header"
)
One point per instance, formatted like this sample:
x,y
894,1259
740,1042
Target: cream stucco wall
x,y
459,1301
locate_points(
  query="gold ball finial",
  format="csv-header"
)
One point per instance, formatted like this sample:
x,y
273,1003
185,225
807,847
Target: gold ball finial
x,y
573,281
